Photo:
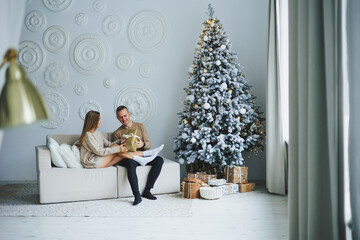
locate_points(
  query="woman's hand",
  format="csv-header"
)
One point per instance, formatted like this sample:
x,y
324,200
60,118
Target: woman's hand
x,y
123,149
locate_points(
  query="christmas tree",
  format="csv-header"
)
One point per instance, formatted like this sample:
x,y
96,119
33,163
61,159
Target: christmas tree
x,y
220,119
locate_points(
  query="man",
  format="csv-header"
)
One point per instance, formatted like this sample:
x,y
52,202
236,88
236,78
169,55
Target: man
x,y
123,115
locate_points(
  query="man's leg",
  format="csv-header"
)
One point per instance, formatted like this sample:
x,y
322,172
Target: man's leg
x,y
153,175
133,180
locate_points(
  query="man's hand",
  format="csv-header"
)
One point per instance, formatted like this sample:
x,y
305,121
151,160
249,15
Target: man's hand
x,y
140,143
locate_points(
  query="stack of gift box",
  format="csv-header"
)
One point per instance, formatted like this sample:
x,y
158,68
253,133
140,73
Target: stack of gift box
x,y
235,180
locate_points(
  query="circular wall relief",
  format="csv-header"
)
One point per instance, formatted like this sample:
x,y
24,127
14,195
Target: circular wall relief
x,y
146,70
98,6
57,5
55,39
89,54
88,106
80,89
59,110
30,56
113,25
109,82
139,100
124,61
35,21
81,19
148,31
56,75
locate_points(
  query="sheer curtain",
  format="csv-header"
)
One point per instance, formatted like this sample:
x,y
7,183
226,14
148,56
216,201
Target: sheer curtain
x,y
315,147
11,21
276,166
353,40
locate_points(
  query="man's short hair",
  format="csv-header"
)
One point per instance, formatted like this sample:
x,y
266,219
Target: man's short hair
x,y
119,108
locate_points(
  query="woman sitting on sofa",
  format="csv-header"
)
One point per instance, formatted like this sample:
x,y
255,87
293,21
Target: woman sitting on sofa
x,y
97,152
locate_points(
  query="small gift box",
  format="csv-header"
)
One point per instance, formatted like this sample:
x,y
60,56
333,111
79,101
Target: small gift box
x,y
202,176
236,174
191,190
131,140
229,188
182,184
246,187
216,182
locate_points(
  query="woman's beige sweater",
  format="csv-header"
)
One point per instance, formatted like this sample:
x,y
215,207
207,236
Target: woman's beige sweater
x,y
94,147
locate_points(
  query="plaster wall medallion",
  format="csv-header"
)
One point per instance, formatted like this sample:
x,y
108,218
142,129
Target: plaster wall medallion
x,y
81,19
148,31
124,61
146,70
30,56
59,110
55,39
57,5
80,89
113,25
109,82
35,21
89,54
89,106
139,100
99,6
56,75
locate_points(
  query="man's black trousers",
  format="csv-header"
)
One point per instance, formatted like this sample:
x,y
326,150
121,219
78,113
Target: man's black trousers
x,y
131,171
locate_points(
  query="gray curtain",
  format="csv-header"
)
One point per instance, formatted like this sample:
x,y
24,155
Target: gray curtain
x,y
275,144
353,37
316,144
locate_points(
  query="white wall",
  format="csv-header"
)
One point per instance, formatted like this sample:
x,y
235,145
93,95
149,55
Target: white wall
x,y
245,22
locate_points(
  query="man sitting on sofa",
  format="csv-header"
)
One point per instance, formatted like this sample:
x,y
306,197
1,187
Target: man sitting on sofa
x,y
123,115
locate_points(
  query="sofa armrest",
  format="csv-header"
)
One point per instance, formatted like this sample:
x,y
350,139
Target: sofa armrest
x,y
43,157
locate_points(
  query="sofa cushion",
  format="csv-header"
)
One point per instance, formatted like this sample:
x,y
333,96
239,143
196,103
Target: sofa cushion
x,y
75,184
69,157
56,158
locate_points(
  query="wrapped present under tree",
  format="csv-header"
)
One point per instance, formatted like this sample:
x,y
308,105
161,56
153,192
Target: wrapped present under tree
x,y
246,187
236,174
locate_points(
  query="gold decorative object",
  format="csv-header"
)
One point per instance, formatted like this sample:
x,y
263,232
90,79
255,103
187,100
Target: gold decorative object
x,y
20,101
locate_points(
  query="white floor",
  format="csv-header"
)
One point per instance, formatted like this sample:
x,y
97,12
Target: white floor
x,y
255,215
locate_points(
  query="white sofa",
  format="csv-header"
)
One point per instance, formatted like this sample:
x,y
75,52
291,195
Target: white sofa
x,y
78,184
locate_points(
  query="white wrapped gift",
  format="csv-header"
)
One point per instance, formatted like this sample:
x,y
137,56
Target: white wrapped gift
x,y
216,182
210,192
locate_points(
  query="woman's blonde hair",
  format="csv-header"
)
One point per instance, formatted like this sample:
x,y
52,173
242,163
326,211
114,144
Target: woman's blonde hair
x,y
91,122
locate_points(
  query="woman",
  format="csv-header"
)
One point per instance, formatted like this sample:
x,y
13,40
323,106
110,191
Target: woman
x,y
97,152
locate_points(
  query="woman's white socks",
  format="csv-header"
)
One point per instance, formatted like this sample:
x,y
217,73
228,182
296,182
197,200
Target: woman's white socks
x,y
153,152
144,160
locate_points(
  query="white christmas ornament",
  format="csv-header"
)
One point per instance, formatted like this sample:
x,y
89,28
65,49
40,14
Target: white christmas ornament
x,y
222,47
217,62
202,79
184,135
206,105
193,140
190,98
206,38
223,86
243,111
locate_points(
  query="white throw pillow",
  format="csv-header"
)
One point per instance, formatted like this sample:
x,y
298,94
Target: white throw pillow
x,y
56,159
76,152
68,156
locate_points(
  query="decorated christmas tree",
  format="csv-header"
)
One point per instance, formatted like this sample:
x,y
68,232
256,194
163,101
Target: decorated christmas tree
x,y
220,119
